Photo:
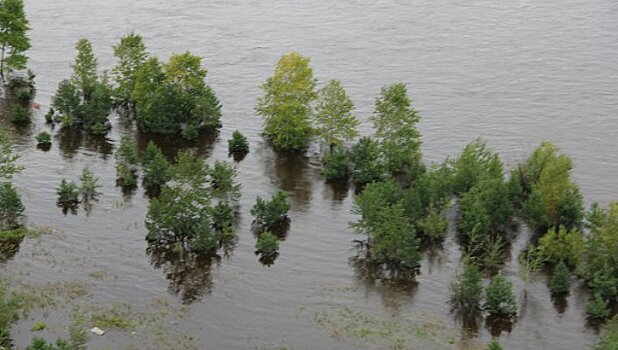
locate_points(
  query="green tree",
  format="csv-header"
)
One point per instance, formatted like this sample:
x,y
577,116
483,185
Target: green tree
x,y
395,122
65,103
85,67
268,213
499,298
14,40
286,104
11,207
267,244
560,283
332,115
156,167
89,185
475,163
494,345
223,182
366,161
336,164
126,162
609,340
467,290
68,193
173,98
130,54
561,245
238,143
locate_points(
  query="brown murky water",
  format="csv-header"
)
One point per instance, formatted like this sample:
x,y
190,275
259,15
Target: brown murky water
x,y
515,72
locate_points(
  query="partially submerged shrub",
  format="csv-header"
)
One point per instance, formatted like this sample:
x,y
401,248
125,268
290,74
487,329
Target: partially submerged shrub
x,y
336,164
11,207
68,193
89,185
238,143
499,298
156,167
43,138
598,308
20,115
560,283
267,244
268,213
467,290
126,163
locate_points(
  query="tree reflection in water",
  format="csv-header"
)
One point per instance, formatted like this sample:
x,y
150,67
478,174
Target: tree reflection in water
x,y
8,248
71,140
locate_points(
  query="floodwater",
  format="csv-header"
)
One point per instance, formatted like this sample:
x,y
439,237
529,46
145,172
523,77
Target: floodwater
x,y
514,72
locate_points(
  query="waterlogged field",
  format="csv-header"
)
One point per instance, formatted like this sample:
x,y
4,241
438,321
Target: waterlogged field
x,y
514,73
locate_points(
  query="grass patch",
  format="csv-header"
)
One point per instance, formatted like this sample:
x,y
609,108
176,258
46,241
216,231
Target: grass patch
x,y
38,326
118,317
13,235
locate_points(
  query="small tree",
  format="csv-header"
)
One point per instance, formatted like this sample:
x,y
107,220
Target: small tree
x,y
89,185
238,143
85,68
395,123
333,118
467,290
286,104
8,159
20,115
609,340
68,194
223,182
268,213
43,138
560,283
368,166
267,244
494,345
14,40
499,298
126,162
598,308
336,165
11,207
156,167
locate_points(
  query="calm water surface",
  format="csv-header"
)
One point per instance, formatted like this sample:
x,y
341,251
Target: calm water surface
x,y
515,72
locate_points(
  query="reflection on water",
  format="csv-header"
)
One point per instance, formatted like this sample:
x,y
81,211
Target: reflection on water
x,y
337,190
497,325
290,172
189,273
8,248
171,144
71,140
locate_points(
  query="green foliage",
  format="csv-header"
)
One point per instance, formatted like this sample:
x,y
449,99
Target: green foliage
x,y
9,314
38,326
14,40
85,68
89,185
78,334
560,283
66,101
43,138
561,245
20,115
553,200
156,167
599,263
609,340
494,345
598,308
173,98
286,104
11,207
131,55
366,161
268,213
332,115
476,163
395,122
499,298
467,290
434,225
369,203
126,163
68,193
267,244
223,182
336,164
8,160
38,343
238,143
24,95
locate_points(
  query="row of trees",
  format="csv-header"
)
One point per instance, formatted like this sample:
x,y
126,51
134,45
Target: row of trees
x,y
164,98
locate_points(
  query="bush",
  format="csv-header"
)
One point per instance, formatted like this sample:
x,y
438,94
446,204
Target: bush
x,y
68,193
20,115
467,290
24,95
598,308
43,138
499,298
560,283
238,143
494,345
562,245
99,129
609,341
49,116
156,167
223,182
126,163
267,244
89,185
190,132
11,207
336,164
434,225
366,162
268,213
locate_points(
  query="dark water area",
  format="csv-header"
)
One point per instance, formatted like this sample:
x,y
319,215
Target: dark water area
x,y
515,73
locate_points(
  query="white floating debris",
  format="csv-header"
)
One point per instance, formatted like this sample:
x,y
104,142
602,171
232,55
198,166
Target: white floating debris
x,y
97,331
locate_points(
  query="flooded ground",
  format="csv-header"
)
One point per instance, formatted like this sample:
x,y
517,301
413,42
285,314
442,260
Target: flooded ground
x,y
515,72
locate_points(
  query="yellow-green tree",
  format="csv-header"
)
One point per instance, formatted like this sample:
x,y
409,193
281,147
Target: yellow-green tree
x,y
14,41
333,118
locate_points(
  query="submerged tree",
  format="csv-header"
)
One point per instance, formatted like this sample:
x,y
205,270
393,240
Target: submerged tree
x,y
499,298
467,290
131,55
366,161
14,40
560,283
286,104
268,213
126,163
332,115
11,207
173,98
156,167
395,122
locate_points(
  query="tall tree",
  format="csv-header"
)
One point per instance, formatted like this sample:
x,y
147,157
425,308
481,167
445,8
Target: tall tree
x,y
286,104
334,121
14,41
85,68
395,122
131,55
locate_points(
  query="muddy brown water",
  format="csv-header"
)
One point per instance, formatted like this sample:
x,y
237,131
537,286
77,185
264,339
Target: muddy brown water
x,y
515,72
